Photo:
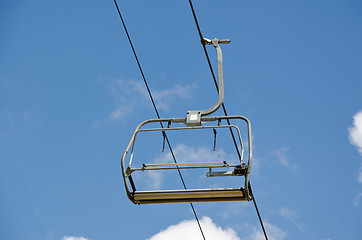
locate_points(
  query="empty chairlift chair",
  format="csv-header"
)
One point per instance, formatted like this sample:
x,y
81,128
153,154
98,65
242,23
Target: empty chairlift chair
x,y
194,120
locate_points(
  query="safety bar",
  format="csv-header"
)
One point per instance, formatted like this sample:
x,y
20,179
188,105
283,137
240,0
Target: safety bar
x,y
149,167
182,164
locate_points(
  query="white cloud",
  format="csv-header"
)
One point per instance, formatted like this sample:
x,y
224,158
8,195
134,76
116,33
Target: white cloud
x,y
232,210
156,179
355,138
177,90
273,233
190,154
285,212
184,154
150,179
163,97
256,165
130,95
291,216
281,155
357,199
74,238
127,96
189,230
355,132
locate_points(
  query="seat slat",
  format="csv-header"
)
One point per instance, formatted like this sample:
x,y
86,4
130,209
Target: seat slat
x,y
192,195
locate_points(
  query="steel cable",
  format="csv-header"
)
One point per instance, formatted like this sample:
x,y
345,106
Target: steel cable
x,y
224,109
257,211
158,115
212,73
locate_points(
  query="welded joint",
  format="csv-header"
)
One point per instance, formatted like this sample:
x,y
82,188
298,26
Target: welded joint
x,y
128,172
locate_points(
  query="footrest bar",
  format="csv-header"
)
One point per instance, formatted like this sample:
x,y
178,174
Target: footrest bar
x,y
192,195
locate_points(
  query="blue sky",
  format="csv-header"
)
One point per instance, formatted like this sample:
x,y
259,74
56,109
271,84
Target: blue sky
x,y
71,96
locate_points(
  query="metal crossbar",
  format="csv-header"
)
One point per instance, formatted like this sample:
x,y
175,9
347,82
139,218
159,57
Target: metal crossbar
x,y
182,164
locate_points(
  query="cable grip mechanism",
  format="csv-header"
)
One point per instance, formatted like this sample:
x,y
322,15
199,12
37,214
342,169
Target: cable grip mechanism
x,y
193,118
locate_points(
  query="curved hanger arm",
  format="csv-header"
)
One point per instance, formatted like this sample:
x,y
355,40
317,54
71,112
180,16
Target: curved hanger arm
x,y
194,117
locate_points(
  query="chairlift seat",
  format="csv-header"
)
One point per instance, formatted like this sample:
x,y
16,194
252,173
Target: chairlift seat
x,y
193,120
189,195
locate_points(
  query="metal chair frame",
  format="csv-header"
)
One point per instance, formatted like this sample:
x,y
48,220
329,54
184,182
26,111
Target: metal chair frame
x,y
188,195
193,120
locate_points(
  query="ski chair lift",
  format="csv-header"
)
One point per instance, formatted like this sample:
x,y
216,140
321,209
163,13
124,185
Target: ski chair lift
x,y
193,120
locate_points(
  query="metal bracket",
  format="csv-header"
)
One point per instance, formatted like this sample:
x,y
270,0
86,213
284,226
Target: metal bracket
x,y
239,170
193,118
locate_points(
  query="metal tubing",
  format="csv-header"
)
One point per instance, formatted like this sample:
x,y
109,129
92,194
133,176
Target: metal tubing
x,y
181,167
220,80
183,121
183,164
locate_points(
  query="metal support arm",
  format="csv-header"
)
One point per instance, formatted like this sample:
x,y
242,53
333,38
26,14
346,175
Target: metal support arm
x,y
194,117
